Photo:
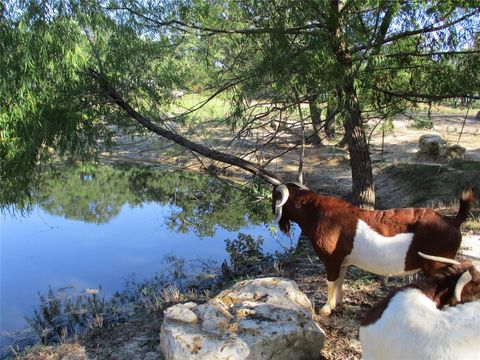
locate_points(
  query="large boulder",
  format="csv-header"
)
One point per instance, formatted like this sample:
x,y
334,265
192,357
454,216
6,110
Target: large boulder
x,y
266,318
431,144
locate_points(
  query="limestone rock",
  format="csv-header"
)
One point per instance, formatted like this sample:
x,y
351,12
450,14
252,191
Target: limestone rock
x,y
266,318
453,152
431,144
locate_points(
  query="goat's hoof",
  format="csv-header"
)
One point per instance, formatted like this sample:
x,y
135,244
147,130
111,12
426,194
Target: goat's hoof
x,y
325,311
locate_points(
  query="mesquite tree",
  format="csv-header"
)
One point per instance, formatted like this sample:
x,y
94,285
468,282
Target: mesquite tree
x,y
75,72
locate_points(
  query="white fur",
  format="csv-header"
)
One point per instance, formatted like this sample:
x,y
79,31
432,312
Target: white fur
x,y
411,327
379,254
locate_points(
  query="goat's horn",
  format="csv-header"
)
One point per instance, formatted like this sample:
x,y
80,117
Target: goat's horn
x,y
283,190
439,259
462,281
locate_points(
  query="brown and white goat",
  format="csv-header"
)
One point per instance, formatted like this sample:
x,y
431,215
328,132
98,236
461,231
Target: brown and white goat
x,y
436,318
382,242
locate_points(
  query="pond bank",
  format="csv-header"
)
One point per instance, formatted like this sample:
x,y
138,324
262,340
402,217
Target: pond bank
x,y
138,338
397,184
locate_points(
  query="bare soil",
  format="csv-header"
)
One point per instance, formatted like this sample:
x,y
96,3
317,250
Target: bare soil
x,y
401,179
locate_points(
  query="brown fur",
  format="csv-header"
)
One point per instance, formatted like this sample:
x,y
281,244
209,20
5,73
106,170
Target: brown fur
x,y
439,288
330,224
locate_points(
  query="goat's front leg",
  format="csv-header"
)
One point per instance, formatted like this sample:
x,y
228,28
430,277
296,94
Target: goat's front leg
x,y
331,298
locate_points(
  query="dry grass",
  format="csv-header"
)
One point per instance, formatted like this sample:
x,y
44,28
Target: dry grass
x,y
63,351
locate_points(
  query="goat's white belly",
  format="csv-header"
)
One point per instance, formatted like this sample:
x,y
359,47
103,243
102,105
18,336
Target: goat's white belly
x,y
379,254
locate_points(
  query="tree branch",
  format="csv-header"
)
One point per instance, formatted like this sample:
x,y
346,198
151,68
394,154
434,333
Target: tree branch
x,y
180,140
181,25
425,30
413,95
466,52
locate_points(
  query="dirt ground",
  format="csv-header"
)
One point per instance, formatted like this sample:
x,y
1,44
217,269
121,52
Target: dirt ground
x,y
327,169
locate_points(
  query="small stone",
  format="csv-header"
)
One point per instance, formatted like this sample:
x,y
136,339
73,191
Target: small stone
x,y
454,152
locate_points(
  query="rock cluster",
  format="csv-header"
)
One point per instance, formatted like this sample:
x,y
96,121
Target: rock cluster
x,y
435,146
265,318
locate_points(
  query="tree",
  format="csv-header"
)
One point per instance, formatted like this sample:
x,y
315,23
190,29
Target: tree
x,y
79,71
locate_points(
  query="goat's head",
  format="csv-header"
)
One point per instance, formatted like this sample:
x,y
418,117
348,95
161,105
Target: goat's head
x,y
280,196
459,282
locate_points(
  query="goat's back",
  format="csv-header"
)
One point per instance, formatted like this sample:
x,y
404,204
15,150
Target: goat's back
x,y
411,327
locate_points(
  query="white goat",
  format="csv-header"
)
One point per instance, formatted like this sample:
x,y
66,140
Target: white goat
x,y
412,323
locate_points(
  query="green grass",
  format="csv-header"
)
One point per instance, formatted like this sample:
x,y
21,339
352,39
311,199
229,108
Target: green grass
x,y
216,108
466,165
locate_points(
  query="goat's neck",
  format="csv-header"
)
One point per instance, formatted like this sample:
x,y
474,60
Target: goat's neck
x,y
415,307
303,216
440,292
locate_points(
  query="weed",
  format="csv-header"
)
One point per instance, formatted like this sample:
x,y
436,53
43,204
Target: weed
x,y
473,223
61,315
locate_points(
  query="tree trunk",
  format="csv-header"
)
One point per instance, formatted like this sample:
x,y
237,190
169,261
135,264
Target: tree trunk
x,y
330,123
363,191
315,115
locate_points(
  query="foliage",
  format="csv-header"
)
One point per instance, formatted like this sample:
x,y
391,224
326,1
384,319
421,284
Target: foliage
x,y
366,59
422,123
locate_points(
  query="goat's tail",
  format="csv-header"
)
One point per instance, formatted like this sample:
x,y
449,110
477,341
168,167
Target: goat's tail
x,y
466,201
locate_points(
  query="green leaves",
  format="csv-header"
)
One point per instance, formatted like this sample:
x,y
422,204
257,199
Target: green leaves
x,y
257,54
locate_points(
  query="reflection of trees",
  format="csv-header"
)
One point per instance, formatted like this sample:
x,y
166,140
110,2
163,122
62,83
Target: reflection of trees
x,y
198,203
95,196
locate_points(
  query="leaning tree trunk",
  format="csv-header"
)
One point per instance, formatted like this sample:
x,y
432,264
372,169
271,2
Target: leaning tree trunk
x,y
253,168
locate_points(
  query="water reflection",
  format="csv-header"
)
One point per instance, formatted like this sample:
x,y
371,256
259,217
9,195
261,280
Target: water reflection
x,y
91,227
198,203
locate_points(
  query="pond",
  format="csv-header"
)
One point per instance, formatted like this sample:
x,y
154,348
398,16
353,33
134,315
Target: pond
x,y
91,227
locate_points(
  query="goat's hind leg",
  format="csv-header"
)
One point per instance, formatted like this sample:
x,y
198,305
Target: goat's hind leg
x,y
334,283
339,285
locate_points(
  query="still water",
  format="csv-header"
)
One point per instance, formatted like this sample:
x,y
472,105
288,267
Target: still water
x,y
97,226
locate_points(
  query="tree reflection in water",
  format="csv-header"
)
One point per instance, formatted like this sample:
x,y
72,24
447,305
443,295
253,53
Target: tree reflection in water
x,y
199,203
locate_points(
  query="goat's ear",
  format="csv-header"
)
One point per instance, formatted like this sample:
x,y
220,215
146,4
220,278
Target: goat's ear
x,y
462,281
